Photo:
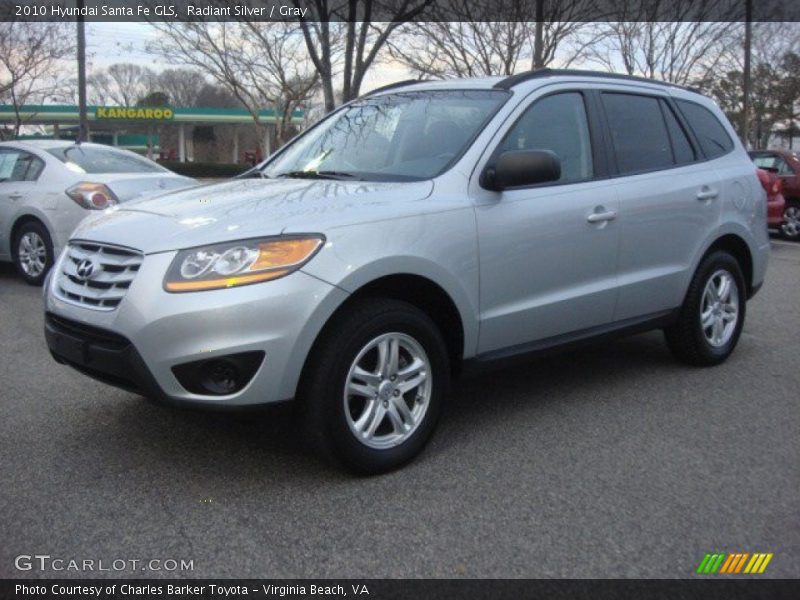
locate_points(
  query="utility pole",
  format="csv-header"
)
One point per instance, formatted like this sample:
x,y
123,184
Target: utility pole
x,y
748,34
538,41
83,127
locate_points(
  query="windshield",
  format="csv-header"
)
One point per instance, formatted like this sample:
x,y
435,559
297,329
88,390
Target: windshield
x,y
397,137
91,159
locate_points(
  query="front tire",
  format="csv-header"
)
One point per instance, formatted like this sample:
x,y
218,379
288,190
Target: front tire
x,y
712,315
374,385
33,252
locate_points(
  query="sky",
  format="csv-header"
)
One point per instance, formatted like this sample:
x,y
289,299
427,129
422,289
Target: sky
x,y
109,43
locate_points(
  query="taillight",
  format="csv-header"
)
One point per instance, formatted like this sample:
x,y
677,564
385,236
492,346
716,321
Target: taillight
x,y
93,196
763,177
771,183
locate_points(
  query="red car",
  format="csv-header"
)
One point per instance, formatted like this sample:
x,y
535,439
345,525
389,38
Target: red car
x,y
776,205
785,164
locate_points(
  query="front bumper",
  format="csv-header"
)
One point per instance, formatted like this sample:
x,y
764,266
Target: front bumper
x,y
100,354
137,345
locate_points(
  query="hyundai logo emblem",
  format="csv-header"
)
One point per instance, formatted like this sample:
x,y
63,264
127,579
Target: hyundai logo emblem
x,y
85,269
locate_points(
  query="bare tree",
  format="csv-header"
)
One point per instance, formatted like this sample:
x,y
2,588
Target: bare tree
x,y
182,86
121,83
461,40
30,57
773,41
774,89
261,63
671,40
343,40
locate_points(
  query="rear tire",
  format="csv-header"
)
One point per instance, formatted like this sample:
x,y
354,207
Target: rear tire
x,y
790,226
33,252
712,315
374,385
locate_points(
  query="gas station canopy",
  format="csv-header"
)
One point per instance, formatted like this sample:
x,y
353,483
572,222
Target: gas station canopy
x,y
112,120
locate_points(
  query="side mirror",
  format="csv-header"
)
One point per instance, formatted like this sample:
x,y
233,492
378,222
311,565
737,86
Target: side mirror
x,y
515,168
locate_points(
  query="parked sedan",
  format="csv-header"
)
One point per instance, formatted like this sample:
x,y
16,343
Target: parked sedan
x,y
48,186
786,165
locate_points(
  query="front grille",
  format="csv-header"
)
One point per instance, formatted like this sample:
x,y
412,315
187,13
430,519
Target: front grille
x,y
112,271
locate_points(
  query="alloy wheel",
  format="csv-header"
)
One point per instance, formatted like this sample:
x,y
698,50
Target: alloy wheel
x,y
32,254
791,222
719,308
387,390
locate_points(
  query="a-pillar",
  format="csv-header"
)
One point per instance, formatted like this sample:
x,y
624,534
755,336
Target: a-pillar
x,y
235,144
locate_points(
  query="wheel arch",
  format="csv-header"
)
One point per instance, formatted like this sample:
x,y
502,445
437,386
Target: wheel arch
x,y
737,247
419,291
19,221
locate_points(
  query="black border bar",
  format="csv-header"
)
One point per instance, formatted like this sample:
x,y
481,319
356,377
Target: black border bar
x,y
403,10
701,588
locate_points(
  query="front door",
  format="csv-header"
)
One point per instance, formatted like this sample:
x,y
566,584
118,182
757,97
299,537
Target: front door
x,y
548,252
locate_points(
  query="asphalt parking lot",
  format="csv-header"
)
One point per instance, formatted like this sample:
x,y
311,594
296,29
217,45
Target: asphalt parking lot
x,y
612,461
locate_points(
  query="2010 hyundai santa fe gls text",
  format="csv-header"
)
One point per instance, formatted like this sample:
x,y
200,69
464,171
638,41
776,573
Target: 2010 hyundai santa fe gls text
x,y
413,230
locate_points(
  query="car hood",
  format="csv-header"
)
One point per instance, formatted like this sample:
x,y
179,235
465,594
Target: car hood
x,y
247,208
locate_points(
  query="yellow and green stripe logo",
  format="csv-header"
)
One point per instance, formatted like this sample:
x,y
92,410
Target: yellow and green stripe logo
x,y
736,562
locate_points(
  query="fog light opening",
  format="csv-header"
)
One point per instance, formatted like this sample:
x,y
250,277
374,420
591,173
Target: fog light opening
x,y
219,376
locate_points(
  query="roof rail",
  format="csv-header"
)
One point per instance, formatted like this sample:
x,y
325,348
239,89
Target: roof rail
x,y
390,86
511,81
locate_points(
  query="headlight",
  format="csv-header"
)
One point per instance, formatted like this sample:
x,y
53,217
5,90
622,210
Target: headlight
x,y
239,263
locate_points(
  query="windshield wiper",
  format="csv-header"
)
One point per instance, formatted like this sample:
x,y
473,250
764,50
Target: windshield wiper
x,y
339,175
252,173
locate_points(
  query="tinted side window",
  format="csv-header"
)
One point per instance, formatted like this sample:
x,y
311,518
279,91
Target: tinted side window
x,y
17,165
713,138
638,132
557,123
681,147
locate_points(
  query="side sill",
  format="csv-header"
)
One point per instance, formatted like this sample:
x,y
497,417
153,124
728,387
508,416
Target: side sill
x,y
505,357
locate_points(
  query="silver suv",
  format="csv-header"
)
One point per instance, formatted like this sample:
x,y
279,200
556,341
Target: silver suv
x,y
414,232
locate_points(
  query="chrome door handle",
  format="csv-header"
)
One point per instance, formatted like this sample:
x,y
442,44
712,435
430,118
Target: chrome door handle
x,y
707,194
15,196
598,217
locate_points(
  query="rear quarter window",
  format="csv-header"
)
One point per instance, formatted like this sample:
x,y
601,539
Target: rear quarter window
x,y
712,135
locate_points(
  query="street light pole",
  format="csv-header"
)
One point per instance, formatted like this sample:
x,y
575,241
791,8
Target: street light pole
x,y
748,33
538,40
83,127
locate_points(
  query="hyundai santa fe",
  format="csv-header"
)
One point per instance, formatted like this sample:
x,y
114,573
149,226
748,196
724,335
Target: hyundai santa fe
x,y
418,231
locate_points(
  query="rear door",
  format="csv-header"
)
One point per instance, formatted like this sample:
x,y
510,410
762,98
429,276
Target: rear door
x,y
669,200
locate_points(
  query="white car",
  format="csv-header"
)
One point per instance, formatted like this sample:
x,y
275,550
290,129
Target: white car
x,y
48,186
